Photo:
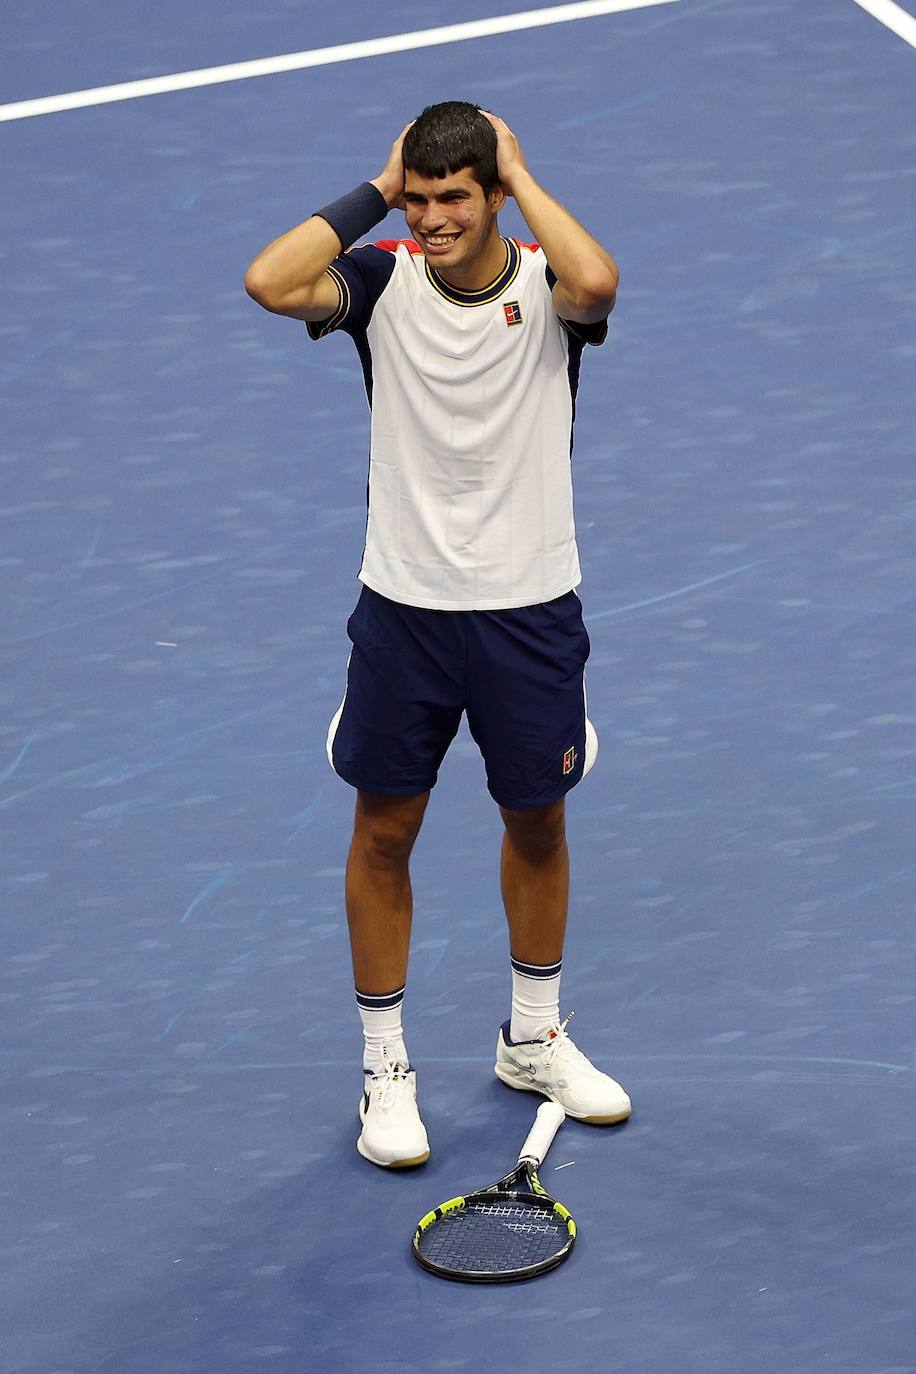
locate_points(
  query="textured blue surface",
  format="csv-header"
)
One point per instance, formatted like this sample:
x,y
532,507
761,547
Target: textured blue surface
x,y
180,1062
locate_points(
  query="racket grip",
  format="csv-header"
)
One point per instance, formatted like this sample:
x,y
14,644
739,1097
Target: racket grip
x,y
550,1116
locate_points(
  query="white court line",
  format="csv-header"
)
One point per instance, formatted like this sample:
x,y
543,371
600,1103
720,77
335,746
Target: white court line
x,y
903,24
322,57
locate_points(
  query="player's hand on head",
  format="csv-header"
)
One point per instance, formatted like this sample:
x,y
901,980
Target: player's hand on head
x,y
390,181
509,156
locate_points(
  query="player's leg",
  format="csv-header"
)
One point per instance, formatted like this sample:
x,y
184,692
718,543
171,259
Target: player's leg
x,y
528,715
534,1051
387,740
535,889
379,913
378,892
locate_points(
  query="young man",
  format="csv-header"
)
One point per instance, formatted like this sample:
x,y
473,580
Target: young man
x,y
470,345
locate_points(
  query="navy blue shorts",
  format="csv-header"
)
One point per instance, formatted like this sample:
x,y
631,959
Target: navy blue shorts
x,y
519,675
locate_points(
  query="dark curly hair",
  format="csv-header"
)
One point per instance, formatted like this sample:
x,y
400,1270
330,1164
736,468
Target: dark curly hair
x,y
450,136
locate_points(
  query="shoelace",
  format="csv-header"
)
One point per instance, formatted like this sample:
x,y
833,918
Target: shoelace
x,y
560,1045
391,1082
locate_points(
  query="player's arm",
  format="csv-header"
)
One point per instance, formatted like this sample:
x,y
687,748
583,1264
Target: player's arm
x,y
290,277
587,276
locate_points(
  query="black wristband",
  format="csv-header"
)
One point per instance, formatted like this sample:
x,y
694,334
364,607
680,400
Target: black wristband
x,y
355,213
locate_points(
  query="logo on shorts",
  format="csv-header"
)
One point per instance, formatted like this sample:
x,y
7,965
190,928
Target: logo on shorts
x,y
569,761
513,312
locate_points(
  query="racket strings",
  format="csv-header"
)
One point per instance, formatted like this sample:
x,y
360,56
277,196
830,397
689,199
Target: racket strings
x,y
495,1236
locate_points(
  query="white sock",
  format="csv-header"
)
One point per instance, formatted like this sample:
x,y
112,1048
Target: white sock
x,y
384,1039
535,999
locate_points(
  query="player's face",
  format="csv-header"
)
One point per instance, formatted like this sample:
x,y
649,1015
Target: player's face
x,y
451,218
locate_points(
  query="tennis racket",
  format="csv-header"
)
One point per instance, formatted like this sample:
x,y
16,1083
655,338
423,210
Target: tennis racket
x,y
511,1230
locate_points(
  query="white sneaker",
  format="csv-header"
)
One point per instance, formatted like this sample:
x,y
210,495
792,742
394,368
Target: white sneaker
x,y
555,1068
393,1136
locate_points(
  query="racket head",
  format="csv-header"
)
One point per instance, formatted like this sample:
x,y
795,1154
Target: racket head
x,y
510,1231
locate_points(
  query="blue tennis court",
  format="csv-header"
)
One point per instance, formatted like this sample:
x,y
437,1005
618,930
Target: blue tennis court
x,y
182,509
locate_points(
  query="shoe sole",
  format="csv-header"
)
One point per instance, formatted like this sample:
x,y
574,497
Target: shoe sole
x,y
391,1163
505,1075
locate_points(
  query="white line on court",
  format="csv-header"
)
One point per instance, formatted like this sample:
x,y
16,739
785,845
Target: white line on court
x,y
893,16
322,57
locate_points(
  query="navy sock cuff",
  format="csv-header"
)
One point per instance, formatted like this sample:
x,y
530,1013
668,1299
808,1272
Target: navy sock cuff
x,y
537,970
385,1001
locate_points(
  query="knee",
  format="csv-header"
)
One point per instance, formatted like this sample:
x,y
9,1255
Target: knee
x,y
539,835
385,846
385,832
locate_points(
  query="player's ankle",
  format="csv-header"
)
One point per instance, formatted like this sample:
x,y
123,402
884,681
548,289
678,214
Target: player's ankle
x,y
523,1029
377,1056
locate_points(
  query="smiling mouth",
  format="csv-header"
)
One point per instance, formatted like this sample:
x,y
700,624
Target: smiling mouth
x,y
441,240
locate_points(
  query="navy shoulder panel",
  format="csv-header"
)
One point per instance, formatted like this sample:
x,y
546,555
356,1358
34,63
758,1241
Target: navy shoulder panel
x,y
361,276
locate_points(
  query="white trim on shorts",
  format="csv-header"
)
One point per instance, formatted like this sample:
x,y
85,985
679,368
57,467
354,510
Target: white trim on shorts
x,y
591,738
335,721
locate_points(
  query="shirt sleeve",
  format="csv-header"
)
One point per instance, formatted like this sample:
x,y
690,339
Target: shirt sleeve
x,y
586,333
360,276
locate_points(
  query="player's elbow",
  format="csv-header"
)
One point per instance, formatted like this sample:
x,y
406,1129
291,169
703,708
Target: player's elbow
x,y
597,292
261,289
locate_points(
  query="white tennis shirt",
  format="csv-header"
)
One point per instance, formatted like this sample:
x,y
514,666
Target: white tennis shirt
x,y
472,398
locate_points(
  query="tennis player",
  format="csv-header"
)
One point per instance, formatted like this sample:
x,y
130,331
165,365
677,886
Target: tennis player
x,y
470,345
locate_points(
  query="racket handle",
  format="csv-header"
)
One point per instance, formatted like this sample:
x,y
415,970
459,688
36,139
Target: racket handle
x,y
550,1116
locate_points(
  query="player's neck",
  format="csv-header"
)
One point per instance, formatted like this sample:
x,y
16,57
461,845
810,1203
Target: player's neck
x,y
485,267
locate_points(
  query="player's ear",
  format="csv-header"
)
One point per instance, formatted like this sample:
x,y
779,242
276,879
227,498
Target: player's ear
x,y
496,199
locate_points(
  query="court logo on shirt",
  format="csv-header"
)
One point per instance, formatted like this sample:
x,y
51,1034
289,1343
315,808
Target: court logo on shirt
x,y
513,312
569,762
